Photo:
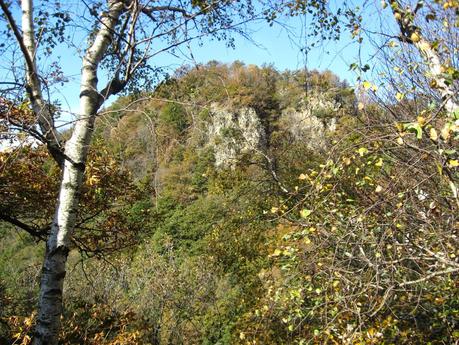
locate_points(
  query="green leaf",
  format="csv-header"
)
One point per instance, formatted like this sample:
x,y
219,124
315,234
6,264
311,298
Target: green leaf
x,y
304,213
414,128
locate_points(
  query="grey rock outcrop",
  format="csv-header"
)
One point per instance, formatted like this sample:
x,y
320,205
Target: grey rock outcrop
x,y
234,132
312,122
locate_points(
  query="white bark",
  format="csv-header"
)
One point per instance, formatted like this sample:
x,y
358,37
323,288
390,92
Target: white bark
x,y
76,149
410,33
435,73
28,32
413,35
41,109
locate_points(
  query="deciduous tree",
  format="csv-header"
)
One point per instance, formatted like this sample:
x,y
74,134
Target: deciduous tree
x,y
122,36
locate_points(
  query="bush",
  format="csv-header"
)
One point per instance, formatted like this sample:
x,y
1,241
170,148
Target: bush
x,y
174,115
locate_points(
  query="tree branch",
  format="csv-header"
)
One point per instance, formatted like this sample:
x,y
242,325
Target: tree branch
x,y
33,87
411,34
150,9
429,276
33,231
17,35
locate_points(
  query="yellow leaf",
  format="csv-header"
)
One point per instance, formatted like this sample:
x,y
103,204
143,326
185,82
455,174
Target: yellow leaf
x,y
28,321
453,163
421,120
433,134
415,37
446,132
400,126
366,85
362,151
399,96
379,163
274,209
277,252
93,180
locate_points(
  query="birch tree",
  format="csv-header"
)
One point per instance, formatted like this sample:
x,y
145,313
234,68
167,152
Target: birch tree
x,y
437,52
123,36
411,33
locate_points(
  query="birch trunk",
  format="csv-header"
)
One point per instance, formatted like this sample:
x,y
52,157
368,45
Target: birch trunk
x,y
435,73
76,149
33,86
411,34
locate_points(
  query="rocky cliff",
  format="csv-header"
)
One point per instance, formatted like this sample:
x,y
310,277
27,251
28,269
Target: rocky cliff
x,y
231,111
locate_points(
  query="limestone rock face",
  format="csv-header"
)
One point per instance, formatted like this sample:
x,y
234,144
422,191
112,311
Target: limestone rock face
x,y
312,122
234,132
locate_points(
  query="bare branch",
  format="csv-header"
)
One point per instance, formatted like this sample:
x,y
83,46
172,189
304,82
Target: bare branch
x,y
149,10
18,36
33,86
39,233
429,276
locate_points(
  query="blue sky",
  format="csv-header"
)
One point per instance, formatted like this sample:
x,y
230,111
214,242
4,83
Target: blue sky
x,y
271,45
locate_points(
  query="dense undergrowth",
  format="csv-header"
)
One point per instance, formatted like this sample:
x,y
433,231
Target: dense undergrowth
x,y
353,241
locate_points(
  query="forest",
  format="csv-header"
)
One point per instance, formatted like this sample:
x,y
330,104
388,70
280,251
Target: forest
x,y
227,202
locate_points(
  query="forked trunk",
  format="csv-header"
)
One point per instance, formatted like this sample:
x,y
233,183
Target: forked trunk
x,y
76,149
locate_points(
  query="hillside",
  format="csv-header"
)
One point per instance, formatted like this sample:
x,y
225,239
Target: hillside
x,y
242,212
